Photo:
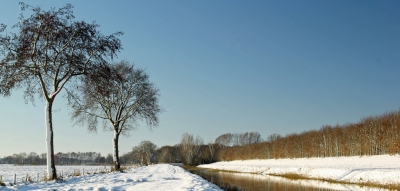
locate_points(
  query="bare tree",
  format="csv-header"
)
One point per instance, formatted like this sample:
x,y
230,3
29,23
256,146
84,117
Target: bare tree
x,y
119,94
254,137
241,139
212,148
165,154
47,51
144,152
224,140
236,139
109,159
190,148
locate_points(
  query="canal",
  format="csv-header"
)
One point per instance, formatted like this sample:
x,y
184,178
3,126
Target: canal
x,y
258,182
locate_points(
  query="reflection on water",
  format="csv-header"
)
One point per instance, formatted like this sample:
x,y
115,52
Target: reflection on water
x,y
257,182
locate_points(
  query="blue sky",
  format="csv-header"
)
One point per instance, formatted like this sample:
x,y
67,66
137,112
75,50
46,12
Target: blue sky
x,y
231,66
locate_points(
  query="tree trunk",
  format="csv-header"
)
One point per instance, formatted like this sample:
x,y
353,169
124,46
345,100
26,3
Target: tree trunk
x,y
117,166
51,168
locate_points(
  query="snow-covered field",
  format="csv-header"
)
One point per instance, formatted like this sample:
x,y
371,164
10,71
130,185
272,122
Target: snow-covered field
x,y
382,169
7,171
155,177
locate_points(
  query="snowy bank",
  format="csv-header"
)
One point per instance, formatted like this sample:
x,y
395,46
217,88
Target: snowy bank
x,y
381,169
155,177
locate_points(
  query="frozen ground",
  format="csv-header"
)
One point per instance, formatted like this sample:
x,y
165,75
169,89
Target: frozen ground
x,y
155,177
382,169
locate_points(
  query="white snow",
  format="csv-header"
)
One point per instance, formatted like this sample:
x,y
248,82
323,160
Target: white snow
x,y
381,169
154,177
7,171
48,139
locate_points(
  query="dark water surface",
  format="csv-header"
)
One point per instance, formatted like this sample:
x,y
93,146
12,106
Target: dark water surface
x,y
257,182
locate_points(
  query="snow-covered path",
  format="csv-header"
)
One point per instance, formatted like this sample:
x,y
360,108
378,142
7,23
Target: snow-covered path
x,y
155,177
381,169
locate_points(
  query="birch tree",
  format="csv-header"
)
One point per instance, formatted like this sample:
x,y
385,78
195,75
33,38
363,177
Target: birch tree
x,y
48,50
190,148
118,95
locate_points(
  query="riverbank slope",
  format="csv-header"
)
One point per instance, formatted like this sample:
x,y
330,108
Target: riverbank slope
x,y
380,170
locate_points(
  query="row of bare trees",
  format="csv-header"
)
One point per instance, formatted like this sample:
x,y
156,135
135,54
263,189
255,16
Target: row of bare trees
x,y
70,158
190,151
238,139
370,136
142,154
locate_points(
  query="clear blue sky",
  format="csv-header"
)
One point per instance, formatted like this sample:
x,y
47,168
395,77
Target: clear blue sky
x,y
231,66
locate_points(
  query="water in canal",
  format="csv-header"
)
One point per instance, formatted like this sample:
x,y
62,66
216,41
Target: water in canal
x,y
257,182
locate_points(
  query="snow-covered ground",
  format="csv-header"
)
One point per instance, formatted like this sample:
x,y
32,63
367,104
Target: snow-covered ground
x,y
155,177
382,169
8,171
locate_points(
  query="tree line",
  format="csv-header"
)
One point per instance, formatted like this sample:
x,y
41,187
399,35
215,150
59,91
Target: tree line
x,y
190,151
375,135
69,158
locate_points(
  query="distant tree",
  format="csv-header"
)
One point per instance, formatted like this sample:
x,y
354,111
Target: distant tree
x,y
101,160
8,160
241,139
249,138
48,50
60,158
43,158
168,154
144,152
273,137
224,140
109,159
236,138
254,138
190,149
212,148
119,94
127,158
33,158
164,154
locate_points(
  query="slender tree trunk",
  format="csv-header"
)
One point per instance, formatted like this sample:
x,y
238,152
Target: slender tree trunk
x,y
117,166
51,168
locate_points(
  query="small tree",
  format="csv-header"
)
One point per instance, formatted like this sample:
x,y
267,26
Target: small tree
x,y
49,50
119,94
